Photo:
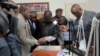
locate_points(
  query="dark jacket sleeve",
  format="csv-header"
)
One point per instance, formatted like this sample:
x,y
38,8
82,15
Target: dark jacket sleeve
x,y
14,45
4,49
13,25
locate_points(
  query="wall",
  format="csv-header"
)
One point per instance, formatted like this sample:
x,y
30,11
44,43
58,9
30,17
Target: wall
x,y
94,5
54,4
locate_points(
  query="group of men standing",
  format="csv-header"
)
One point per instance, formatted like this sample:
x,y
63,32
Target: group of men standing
x,y
21,31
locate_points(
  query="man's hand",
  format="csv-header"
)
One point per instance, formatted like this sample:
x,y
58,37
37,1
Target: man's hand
x,y
42,41
63,28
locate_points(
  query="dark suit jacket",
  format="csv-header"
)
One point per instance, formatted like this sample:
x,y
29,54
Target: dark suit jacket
x,y
34,31
87,20
48,29
4,49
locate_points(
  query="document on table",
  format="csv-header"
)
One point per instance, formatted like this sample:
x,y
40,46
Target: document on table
x,y
50,48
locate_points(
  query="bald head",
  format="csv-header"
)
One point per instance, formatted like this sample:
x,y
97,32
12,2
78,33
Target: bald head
x,y
76,10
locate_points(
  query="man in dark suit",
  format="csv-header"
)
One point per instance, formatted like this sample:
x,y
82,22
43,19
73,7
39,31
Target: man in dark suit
x,y
86,16
11,38
47,28
4,49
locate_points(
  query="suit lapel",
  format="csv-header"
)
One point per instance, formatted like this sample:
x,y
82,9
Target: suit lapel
x,y
84,16
28,28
